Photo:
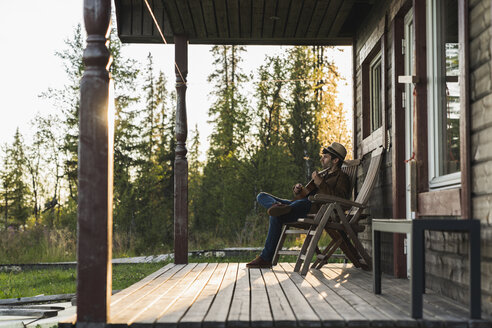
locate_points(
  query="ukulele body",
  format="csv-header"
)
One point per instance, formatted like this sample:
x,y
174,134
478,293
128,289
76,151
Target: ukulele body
x,y
310,186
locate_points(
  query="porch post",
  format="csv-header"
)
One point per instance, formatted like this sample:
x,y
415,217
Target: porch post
x,y
465,112
419,23
398,150
180,162
95,172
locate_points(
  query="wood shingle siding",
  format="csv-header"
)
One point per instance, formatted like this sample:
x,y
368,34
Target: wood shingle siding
x,y
480,81
479,18
481,134
481,114
479,49
481,155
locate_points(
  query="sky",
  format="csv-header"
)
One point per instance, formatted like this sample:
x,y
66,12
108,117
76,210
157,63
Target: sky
x,y
31,31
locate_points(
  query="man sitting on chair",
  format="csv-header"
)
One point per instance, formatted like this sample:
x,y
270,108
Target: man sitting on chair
x,y
332,182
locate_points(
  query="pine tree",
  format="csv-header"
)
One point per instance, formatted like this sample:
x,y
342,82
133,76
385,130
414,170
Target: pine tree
x,y
303,127
271,160
194,182
270,105
124,73
48,132
222,200
330,114
229,113
34,156
7,178
154,177
67,100
15,193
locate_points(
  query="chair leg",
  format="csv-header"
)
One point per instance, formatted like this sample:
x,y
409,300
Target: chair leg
x,y
280,244
319,263
303,250
346,246
319,216
349,250
324,252
358,245
313,243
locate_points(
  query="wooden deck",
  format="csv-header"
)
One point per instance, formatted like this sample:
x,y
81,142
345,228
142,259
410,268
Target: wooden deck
x,y
230,295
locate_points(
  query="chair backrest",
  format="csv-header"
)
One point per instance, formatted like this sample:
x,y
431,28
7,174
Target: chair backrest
x,y
350,167
370,180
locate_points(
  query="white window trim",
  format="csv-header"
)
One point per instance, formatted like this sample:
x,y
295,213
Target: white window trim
x,y
434,96
377,60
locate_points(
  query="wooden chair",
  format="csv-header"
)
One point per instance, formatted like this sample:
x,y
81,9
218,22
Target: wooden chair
x,y
297,228
341,224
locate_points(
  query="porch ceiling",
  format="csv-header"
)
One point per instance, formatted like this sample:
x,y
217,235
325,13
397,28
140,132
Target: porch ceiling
x,y
248,22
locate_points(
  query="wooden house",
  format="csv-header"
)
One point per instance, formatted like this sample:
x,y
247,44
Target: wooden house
x,y
421,90
422,87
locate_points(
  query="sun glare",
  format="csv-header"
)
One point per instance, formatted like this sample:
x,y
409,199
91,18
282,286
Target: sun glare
x,y
111,114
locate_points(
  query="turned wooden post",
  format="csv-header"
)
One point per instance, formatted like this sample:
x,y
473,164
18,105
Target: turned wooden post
x,y
180,162
95,172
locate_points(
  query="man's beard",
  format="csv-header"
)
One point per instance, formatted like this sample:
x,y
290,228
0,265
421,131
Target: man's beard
x,y
328,165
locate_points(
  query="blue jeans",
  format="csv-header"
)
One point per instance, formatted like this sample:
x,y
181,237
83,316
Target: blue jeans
x,y
300,208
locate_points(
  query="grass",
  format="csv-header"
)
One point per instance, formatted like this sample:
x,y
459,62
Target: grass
x,y
37,245
64,281
41,245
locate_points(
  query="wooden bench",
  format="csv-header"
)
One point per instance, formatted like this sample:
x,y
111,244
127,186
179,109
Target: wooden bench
x,y
416,228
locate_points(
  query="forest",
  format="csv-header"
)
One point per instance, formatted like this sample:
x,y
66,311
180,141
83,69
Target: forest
x,y
267,143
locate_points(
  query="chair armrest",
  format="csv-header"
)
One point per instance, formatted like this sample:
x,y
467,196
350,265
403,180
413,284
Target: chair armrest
x,y
321,198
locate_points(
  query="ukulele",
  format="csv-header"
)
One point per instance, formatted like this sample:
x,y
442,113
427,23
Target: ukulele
x,y
310,186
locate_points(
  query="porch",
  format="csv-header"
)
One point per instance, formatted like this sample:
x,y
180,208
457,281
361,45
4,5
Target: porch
x,y
230,295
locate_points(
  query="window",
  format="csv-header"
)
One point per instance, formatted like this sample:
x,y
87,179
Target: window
x,y
375,71
444,93
373,91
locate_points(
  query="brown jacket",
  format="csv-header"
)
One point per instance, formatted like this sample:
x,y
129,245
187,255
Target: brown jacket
x,y
336,184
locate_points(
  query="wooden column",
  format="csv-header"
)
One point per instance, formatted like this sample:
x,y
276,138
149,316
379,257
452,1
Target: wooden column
x,y
398,150
384,93
95,172
421,149
354,101
181,163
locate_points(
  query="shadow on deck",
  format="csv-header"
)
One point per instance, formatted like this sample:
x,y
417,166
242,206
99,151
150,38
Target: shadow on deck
x,y
230,295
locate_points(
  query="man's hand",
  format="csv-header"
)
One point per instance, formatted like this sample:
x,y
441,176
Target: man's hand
x,y
297,188
316,178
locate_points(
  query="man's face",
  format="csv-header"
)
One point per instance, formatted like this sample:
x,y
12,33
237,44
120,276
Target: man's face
x,y
327,162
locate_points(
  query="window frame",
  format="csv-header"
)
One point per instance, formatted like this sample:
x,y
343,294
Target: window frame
x,y
376,63
372,139
436,101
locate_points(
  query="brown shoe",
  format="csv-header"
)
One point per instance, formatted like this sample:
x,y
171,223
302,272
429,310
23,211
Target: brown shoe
x,y
279,209
259,262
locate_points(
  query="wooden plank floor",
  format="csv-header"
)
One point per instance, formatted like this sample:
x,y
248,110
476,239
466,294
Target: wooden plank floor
x,y
230,295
